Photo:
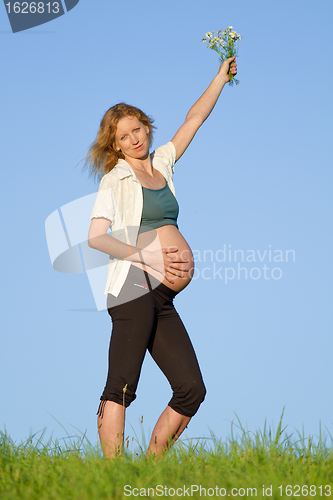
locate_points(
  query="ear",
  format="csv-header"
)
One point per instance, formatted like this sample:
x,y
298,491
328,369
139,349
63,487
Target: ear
x,y
147,130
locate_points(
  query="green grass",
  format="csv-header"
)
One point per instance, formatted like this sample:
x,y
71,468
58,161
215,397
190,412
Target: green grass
x,y
75,469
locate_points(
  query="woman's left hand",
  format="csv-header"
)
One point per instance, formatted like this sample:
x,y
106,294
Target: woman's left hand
x,y
228,65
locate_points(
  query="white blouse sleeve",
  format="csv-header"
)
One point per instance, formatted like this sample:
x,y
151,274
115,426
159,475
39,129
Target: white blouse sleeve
x,y
105,203
167,153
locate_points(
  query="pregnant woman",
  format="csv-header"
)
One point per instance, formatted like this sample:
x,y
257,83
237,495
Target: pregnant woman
x,y
150,263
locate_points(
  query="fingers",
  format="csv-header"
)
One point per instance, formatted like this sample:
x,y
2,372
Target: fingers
x,y
233,68
173,257
176,269
232,64
171,273
169,279
170,249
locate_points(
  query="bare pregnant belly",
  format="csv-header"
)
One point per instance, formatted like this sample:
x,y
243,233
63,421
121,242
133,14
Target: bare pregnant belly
x,y
162,237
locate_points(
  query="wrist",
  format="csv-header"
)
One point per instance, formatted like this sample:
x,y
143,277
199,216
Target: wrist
x,y
223,78
137,255
132,254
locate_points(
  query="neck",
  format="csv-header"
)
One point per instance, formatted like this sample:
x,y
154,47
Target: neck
x,y
143,164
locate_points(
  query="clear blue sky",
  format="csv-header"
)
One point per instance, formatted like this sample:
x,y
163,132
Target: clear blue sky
x,y
258,176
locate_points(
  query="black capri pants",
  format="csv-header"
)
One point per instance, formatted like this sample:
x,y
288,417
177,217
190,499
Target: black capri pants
x,y
144,317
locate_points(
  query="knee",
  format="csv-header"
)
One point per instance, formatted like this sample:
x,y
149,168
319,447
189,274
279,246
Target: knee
x,y
199,394
188,398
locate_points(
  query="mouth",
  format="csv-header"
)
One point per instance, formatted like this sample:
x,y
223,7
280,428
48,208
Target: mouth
x,y
139,147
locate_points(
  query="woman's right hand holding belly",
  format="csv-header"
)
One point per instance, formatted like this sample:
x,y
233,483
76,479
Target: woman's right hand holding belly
x,y
166,262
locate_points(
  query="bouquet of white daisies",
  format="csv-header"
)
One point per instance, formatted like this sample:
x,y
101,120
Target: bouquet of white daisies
x,y
224,43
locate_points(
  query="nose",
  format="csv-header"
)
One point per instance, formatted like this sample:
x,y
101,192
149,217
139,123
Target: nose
x,y
134,138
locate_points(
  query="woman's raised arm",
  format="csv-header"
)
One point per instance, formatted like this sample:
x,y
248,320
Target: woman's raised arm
x,y
200,111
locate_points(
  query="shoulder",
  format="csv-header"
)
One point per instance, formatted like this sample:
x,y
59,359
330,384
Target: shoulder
x,y
109,180
166,152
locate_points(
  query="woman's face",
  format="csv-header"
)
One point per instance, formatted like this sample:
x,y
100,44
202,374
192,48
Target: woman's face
x,y
132,138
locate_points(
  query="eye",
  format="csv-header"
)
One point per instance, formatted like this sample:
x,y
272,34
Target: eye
x,y
122,137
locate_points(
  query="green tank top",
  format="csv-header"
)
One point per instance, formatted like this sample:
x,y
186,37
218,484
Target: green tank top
x,y
160,208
